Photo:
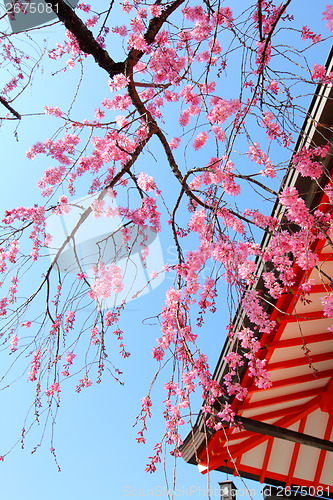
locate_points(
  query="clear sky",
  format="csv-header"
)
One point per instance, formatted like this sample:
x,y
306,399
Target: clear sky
x,y
94,434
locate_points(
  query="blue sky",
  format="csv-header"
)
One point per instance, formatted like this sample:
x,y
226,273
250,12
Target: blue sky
x,y
94,434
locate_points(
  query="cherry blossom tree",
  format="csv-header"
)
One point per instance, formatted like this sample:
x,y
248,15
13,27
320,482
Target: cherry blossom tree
x,y
167,152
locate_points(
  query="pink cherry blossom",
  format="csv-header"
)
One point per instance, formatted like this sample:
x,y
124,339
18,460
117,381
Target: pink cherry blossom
x,y
13,342
155,10
35,365
200,140
146,182
118,82
174,143
108,279
328,15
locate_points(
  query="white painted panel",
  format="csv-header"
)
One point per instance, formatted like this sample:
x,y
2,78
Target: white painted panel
x,y
320,278
316,424
300,370
254,457
267,409
262,395
315,304
307,463
279,461
288,353
327,472
311,327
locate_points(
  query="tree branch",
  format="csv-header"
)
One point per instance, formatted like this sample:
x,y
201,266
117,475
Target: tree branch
x,y
5,103
85,38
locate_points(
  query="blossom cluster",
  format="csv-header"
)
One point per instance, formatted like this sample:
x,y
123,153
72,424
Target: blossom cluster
x,y
36,215
107,279
304,163
35,365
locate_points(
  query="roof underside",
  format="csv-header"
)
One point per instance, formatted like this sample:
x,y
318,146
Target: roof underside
x,y
300,363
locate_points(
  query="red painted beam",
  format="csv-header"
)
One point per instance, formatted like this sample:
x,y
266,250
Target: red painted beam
x,y
299,341
292,412
325,257
295,396
302,379
266,460
293,363
322,455
295,318
293,462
